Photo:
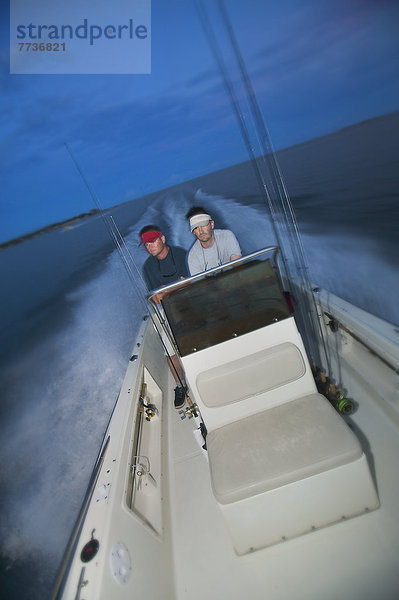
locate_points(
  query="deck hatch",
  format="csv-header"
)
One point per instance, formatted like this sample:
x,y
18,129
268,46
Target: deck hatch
x,y
144,489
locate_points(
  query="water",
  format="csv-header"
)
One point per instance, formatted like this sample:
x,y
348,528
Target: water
x,y
70,316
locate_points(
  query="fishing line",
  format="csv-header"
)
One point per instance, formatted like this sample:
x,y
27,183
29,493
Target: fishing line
x,y
113,231
127,260
281,193
154,308
268,175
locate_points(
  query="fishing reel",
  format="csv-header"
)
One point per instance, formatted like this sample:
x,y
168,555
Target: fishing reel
x,y
190,412
149,408
192,409
332,392
150,411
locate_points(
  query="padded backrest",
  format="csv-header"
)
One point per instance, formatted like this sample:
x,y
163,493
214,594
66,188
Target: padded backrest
x,y
251,375
248,374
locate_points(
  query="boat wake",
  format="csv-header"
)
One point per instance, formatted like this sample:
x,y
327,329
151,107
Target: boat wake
x,y
63,389
348,266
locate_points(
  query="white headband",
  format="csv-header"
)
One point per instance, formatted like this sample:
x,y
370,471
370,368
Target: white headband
x,y
198,220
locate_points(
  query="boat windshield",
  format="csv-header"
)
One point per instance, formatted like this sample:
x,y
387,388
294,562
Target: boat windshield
x,y
224,303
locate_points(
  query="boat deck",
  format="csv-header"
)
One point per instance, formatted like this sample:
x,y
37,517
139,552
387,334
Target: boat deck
x,y
172,542
357,559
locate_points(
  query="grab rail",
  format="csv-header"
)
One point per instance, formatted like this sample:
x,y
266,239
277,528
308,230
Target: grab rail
x,y
188,280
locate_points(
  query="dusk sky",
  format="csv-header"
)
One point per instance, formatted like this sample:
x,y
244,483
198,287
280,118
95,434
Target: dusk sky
x,y
316,66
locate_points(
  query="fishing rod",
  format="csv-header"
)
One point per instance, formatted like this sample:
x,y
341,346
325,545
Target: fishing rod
x,y
268,174
128,262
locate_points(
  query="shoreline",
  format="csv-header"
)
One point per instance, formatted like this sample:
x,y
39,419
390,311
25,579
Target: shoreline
x,y
48,228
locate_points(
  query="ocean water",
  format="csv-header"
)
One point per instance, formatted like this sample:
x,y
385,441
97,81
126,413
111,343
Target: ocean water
x,y
71,313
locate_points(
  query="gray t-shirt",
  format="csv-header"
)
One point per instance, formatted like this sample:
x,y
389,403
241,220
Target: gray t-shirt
x,y
224,247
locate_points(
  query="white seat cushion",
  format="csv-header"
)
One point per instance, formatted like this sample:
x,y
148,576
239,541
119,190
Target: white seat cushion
x,y
280,445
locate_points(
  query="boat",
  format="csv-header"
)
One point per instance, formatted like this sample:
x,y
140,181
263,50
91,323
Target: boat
x,y
278,478
259,486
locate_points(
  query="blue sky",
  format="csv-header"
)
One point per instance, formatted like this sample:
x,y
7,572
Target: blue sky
x,y
315,65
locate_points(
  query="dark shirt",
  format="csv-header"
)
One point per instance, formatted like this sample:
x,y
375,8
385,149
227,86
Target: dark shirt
x,y
161,272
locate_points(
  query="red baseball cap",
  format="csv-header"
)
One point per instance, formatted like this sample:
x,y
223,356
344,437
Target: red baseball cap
x,y
150,236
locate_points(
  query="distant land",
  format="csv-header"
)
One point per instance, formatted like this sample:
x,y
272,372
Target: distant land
x,y
66,223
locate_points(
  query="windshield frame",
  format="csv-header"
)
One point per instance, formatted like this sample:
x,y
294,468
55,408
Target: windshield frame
x,y
235,305
152,296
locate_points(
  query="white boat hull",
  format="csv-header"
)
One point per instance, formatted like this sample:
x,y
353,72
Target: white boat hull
x,y
177,544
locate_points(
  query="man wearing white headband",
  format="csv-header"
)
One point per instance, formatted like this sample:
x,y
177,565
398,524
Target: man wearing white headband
x,y
213,247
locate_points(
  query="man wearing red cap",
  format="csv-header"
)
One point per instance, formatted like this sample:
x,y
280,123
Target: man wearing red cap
x,y
165,263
